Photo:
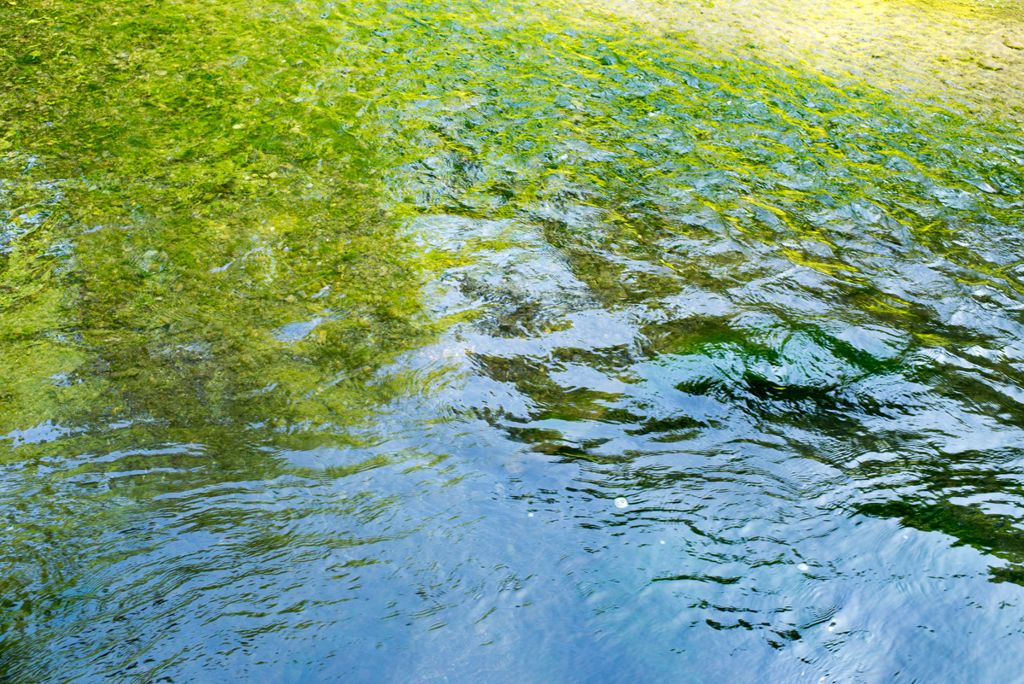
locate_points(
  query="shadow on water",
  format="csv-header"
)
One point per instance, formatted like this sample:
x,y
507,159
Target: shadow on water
x,y
396,342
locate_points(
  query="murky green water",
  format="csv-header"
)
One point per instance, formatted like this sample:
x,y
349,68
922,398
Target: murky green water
x,y
490,342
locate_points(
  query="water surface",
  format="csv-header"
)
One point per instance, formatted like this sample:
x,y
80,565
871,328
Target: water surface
x,y
485,342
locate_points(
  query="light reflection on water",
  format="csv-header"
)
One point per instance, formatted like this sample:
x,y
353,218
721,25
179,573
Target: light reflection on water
x,y
782,322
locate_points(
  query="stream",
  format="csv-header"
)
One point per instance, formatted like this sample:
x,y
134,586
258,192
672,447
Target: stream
x,y
511,343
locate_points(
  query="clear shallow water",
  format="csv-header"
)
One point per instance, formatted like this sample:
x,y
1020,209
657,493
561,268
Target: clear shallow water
x,y
364,411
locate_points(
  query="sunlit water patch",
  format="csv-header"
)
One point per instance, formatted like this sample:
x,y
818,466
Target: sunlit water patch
x,y
495,343
967,53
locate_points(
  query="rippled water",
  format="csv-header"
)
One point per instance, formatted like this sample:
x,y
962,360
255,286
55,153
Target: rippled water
x,y
479,342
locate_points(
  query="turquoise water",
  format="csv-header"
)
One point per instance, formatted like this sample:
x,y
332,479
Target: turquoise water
x,y
488,343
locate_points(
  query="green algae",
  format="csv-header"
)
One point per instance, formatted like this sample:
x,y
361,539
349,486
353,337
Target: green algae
x,y
204,172
209,246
